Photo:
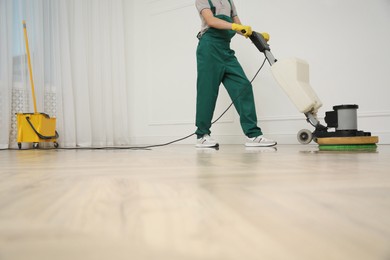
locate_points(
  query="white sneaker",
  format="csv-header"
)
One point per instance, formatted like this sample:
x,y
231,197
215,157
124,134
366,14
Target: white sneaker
x,y
259,141
206,142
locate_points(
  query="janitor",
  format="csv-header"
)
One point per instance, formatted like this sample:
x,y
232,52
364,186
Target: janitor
x,y
216,64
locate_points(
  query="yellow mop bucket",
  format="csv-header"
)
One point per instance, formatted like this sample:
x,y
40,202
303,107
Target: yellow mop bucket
x,y
35,127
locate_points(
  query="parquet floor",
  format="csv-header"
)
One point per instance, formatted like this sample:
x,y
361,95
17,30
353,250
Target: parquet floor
x,y
178,202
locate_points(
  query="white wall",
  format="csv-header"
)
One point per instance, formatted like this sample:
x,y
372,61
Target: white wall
x,y
345,42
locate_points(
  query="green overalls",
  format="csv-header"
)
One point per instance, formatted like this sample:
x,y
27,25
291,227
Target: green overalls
x,y
216,64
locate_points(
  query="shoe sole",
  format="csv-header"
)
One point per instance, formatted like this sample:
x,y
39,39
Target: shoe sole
x,y
206,146
260,145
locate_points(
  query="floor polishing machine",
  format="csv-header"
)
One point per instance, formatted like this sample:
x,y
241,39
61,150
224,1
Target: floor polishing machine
x,y
293,76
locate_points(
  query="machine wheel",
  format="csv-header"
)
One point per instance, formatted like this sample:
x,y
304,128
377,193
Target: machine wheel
x,y
55,145
20,145
304,136
35,145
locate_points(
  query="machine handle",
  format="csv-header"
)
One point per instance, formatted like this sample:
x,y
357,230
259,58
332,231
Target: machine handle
x,y
262,45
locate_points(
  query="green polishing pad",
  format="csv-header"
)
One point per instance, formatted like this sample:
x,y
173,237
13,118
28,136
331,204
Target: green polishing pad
x,y
348,147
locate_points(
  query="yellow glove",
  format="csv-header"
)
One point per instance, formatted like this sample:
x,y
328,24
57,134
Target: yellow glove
x,y
265,36
243,29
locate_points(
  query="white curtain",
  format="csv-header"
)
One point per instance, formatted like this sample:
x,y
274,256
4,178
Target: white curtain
x,y
78,60
5,71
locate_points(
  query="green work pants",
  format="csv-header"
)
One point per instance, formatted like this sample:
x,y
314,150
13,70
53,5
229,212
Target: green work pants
x,y
216,64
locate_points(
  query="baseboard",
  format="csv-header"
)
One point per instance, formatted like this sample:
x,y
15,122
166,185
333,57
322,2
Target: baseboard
x,y
290,138
222,139
384,139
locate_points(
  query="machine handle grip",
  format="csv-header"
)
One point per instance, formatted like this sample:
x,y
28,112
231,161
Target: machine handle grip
x,y
259,41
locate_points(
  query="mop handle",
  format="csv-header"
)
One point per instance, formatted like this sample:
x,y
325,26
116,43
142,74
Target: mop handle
x,y
29,67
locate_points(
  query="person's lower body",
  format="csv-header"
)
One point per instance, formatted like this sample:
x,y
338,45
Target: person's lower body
x,y
217,64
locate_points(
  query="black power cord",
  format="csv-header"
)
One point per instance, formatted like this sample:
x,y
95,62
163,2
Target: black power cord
x,y
216,120
148,147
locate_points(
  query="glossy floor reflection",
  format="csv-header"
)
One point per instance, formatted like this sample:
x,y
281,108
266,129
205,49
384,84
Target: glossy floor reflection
x,y
179,202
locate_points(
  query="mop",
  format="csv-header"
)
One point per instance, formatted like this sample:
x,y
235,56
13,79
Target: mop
x,y
35,127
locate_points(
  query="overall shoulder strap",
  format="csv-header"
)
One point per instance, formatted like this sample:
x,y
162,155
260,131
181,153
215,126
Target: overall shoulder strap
x,y
231,8
213,10
212,7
